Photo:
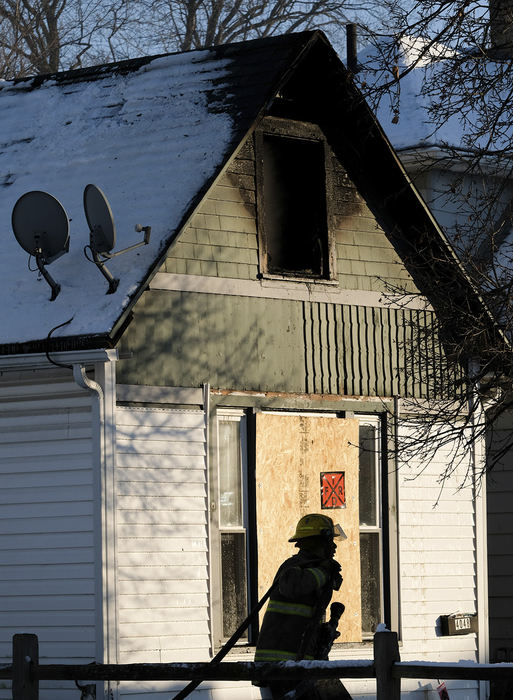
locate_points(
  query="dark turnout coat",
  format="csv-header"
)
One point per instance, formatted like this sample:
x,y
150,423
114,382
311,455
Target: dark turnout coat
x,y
290,627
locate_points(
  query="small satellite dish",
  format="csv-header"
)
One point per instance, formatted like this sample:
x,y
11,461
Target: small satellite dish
x,y
102,233
99,217
41,227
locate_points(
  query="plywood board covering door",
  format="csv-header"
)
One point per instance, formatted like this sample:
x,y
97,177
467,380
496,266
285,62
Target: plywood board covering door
x,y
291,453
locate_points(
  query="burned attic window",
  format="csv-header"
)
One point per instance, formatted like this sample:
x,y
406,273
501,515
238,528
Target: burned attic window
x,y
292,207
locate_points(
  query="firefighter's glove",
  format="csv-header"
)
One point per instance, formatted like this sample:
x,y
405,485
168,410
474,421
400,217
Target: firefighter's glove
x,y
327,634
336,581
333,569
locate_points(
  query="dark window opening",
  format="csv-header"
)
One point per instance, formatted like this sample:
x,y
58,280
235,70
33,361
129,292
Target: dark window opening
x,y
294,194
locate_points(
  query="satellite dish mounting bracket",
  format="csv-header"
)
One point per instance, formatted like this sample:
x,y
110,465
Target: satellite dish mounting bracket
x,y
102,233
100,264
55,286
145,241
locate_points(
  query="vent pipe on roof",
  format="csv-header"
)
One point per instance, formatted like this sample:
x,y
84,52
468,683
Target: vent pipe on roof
x,y
501,26
351,61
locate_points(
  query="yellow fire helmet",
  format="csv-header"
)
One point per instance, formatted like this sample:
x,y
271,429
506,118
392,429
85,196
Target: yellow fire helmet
x,y
316,524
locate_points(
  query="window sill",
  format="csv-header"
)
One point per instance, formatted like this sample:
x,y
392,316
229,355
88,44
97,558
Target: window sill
x,y
287,280
352,648
241,652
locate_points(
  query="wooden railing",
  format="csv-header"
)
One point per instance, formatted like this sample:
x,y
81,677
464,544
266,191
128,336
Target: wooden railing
x,y
25,672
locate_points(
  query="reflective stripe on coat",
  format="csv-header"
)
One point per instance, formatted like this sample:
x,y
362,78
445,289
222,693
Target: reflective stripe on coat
x,y
294,611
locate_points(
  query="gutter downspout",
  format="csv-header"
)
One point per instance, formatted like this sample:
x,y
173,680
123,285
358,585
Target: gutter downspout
x,y
479,495
394,535
104,509
80,377
210,507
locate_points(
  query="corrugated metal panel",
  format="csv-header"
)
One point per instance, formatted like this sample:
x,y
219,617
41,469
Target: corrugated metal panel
x,y
162,548
284,345
47,569
364,351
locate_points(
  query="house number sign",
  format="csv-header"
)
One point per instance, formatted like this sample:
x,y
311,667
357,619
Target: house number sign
x,y
333,490
459,623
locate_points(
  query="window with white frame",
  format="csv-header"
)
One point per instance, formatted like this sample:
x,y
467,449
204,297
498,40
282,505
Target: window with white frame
x,y
371,545
232,506
232,493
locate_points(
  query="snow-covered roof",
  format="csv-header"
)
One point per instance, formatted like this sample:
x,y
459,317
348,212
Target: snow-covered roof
x,y
152,133
402,110
432,79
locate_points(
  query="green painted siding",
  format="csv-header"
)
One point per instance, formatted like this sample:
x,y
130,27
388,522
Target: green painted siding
x,y
238,342
221,240
185,339
248,343
366,260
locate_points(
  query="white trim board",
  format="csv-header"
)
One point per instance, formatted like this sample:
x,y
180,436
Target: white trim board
x,y
273,289
40,360
159,394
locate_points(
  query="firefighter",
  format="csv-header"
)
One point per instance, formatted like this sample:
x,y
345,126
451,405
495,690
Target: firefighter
x,y
303,587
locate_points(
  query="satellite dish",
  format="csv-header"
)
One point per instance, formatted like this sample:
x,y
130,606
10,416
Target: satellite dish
x,y
102,233
99,217
41,227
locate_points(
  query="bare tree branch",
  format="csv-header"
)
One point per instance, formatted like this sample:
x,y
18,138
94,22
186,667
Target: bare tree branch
x,y
186,24
44,36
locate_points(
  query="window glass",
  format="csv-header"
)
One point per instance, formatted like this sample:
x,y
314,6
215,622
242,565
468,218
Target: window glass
x,y
233,564
371,581
370,528
232,513
368,485
230,476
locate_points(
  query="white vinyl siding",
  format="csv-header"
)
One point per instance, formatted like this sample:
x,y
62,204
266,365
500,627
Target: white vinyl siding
x,y
47,570
162,547
438,565
437,575
47,560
